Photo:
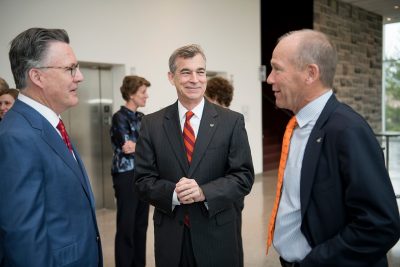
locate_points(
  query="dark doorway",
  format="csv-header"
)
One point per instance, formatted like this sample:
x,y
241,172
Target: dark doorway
x,y
277,18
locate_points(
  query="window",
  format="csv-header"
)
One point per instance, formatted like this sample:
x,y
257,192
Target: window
x,y
391,77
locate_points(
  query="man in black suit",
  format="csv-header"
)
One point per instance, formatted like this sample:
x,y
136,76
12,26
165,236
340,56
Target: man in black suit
x,y
194,194
337,207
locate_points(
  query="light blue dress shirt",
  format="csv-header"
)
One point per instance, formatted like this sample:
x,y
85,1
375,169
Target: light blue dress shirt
x,y
289,241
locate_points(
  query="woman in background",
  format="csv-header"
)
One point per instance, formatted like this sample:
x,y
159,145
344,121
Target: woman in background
x,y
132,213
7,99
3,84
219,91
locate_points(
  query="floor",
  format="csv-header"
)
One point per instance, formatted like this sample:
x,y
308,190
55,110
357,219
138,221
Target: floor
x,y
255,216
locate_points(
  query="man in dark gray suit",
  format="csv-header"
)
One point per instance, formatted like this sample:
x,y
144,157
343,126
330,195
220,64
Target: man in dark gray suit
x,y
194,192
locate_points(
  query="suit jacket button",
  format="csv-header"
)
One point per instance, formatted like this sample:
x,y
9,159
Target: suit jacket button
x,y
97,238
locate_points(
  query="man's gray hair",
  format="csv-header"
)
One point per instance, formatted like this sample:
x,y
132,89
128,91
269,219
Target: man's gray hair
x,y
187,51
28,50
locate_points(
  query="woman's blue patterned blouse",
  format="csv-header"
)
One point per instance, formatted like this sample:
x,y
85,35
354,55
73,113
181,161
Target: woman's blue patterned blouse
x,y
125,126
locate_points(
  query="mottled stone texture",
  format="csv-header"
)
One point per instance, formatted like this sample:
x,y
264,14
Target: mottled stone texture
x,y
357,35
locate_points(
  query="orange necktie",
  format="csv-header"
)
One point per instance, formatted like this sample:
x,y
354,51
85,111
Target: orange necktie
x,y
282,163
188,136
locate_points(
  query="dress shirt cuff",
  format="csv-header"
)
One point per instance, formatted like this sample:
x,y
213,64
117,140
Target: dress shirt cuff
x,y
175,201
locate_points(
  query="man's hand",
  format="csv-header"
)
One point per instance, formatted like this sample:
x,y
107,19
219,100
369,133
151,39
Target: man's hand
x,y
188,191
129,147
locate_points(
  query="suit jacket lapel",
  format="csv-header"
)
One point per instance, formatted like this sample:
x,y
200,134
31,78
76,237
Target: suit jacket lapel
x,y
53,139
312,153
173,132
85,181
207,128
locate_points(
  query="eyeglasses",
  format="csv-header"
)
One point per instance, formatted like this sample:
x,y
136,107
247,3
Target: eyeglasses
x,y
71,69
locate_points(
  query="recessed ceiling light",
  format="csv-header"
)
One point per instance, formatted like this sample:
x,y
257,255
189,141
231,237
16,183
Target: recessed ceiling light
x,y
388,19
396,7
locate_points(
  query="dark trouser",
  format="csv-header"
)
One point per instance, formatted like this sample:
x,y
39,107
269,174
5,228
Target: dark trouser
x,y
239,205
132,220
187,255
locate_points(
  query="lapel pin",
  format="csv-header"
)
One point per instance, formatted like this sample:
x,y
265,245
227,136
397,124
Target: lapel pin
x,y
211,124
319,140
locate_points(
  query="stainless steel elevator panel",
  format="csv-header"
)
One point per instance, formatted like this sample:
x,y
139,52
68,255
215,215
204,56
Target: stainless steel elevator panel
x,y
89,125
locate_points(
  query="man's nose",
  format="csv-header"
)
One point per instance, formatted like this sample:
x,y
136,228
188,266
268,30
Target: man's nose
x,y
78,75
194,77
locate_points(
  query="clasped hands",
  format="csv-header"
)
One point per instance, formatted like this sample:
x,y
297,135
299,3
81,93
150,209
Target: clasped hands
x,y
188,191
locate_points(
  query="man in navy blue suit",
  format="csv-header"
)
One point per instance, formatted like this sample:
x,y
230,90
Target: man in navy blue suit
x,y
337,206
47,210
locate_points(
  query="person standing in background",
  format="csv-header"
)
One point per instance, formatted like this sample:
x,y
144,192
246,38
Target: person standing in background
x,y
7,99
3,86
47,209
132,213
193,162
219,91
337,206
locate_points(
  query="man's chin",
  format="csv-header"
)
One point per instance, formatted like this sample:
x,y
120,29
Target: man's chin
x,y
74,102
278,104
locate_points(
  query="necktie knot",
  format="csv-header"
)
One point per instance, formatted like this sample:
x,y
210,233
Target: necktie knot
x,y
291,124
64,135
189,115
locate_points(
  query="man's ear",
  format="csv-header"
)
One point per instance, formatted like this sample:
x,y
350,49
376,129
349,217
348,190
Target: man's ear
x,y
312,73
171,78
36,77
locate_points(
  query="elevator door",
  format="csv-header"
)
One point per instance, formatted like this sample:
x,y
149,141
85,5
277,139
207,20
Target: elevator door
x,y
88,124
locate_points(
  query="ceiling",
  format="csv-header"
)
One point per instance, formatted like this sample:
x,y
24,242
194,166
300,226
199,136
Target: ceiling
x,y
385,8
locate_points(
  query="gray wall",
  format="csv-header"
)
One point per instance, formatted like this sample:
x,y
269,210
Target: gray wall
x,y
357,34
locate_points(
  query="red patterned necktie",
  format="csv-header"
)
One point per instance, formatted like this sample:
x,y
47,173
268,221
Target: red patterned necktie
x,y
64,135
189,138
282,164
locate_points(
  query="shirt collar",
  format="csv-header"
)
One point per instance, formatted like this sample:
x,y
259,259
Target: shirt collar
x,y
136,114
312,110
46,112
198,110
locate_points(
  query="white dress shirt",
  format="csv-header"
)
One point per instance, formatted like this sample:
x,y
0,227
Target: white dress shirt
x,y
46,112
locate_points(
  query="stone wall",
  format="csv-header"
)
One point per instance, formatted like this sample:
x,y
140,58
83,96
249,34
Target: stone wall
x,y
357,34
